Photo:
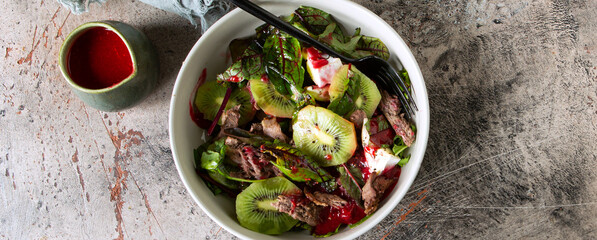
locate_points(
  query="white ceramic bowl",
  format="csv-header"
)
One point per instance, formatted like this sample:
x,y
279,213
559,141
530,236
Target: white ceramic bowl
x,y
210,53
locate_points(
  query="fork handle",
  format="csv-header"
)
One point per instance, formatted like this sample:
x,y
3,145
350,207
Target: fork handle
x,y
273,20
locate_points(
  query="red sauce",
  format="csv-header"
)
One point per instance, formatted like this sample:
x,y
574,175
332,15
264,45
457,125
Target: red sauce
x,y
331,217
359,161
394,173
197,116
297,198
234,79
264,78
317,60
328,157
385,137
374,126
99,59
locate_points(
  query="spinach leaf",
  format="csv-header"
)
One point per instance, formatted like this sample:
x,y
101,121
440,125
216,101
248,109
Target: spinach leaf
x,y
283,63
198,152
221,179
350,184
360,221
404,74
367,46
404,161
301,27
397,149
213,156
294,164
234,73
249,65
342,105
291,161
252,62
382,123
238,46
315,20
337,41
328,234
212,161
342,102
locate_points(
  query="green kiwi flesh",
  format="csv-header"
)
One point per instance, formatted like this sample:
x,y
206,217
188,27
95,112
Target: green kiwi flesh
x,y
270,101
368,95
210,96
324,135
319,94
339,82
254,208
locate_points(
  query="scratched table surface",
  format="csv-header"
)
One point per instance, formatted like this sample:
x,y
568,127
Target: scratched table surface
x,y
512,150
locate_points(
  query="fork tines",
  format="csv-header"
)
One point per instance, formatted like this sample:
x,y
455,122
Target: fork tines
x,y
395,84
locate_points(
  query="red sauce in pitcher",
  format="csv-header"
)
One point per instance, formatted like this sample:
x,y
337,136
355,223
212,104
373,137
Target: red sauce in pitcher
x,y
98,59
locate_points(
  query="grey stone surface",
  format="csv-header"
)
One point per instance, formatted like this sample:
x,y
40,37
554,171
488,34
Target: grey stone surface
x,y
512,88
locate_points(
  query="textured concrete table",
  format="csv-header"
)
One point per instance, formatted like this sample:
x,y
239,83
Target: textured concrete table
x,y
512,151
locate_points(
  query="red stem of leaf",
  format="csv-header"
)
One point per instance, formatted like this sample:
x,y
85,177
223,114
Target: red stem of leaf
x,y
352,177
220,111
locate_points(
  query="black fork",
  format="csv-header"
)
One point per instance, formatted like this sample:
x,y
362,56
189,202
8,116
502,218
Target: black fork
x,y
374,67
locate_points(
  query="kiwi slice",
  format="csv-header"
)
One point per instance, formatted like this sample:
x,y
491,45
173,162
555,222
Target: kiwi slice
x,y
254,208
340,81
324,135
366,95
369,96
317,93
210,96
271,101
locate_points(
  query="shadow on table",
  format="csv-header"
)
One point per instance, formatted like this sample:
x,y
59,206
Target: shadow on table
x,y
172,42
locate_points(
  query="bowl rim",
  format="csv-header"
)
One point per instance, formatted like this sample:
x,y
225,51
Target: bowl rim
x,y
422,131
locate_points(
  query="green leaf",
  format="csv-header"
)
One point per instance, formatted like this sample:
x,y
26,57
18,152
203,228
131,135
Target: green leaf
x,y
238,46
198,152
294,164
249,65
235,71
397,149
382,123
213,188
210,160
349,183
404,74
342,105
404,161
283,63
263,31
213,156
337,41
315,20
220,178
301,226
330,233
343,102
329,186
252,62
301,27
367,46
360,221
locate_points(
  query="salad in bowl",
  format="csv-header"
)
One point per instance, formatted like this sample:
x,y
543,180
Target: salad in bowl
x,y
296,139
